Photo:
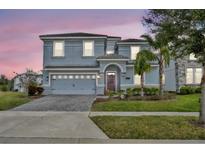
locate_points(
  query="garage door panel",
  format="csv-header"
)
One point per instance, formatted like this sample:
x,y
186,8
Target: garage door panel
x,y
73,86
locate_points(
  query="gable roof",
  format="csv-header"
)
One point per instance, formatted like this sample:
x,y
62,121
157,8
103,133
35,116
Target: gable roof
x,y
79,34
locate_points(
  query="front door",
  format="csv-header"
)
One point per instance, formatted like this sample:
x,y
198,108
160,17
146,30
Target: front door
x,y
111,81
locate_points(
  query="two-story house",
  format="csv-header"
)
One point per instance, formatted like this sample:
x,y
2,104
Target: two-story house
x,y
84,63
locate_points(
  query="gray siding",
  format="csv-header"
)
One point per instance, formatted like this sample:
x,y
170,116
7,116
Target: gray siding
x,y
73,53
170,77
152,77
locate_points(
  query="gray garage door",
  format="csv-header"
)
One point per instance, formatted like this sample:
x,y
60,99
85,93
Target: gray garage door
x,y
78,84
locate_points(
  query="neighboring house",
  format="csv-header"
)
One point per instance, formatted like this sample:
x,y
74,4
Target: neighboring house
x,y
18,85
84,63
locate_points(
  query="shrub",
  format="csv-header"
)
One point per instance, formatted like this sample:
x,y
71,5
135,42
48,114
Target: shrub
x,y
184,90
32,90
198,90
129,92
4,88
136,91
39,90
154,91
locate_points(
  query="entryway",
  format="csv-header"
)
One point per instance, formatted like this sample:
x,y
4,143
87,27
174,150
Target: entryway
x,y
111,81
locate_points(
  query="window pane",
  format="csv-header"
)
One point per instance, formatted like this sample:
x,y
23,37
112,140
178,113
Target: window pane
x,y
65,76
93,76
82,76
134,51
70,76
87,76
77,76
59,77
198,75
137,79
88,48
189,75
53,77
58,49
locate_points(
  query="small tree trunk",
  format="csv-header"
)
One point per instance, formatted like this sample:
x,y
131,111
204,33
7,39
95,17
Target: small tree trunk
x,y
161,72
142,84
202,101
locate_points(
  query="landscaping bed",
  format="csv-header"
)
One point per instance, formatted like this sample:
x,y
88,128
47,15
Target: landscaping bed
x,y
10,100
182,103
150,127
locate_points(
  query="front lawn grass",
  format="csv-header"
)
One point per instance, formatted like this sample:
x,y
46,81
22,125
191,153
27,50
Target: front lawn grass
x,y
150,127
182,103
10,100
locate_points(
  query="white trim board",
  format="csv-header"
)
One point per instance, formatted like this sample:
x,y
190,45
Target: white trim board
x,y
72,69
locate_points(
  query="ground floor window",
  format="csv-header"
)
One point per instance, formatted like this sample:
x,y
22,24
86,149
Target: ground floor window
x,y
193,75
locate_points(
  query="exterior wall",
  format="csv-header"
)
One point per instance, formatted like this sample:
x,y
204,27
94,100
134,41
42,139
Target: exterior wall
x,y
125,49
181,65
170,78
111,44
73,53
152,77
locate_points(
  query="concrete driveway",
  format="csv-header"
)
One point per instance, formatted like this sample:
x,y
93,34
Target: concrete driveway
x,y
59,103
48,125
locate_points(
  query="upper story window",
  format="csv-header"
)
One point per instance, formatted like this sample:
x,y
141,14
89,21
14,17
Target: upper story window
x,y
58,48
88,48
192,57
134,51
110,52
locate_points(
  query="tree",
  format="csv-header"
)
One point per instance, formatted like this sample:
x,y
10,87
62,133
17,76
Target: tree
x,y
163,57
142,65
184,31
28,78
3,79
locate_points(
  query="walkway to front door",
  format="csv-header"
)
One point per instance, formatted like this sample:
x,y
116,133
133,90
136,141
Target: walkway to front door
x,y
111,81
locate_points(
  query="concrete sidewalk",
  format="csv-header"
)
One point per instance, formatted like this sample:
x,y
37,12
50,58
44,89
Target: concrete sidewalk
x,y
144,114
21,124
41,140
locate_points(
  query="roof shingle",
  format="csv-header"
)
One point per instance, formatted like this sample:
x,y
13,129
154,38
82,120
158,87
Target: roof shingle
x,y
79,34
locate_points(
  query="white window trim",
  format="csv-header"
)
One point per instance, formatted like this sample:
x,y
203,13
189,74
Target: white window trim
x,y
84,41
63,48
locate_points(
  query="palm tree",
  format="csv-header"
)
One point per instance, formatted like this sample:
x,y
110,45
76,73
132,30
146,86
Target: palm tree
x,y
163,57
142,65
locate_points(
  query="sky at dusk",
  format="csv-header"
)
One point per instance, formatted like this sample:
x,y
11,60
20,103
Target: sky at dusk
x,y
21,48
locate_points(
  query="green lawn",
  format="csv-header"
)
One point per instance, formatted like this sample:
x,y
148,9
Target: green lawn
x,y
183,103
150,127
10,100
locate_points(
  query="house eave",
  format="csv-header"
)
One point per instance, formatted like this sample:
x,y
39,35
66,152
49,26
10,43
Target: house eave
x,y
54,38
112,59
